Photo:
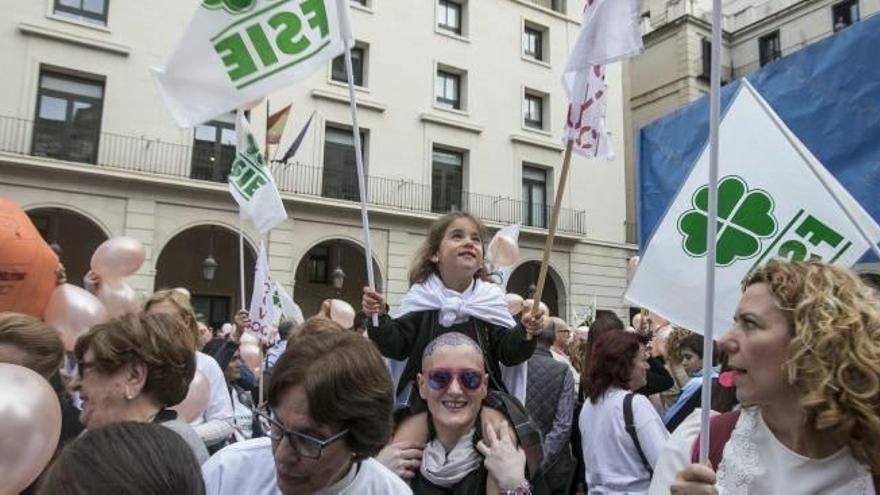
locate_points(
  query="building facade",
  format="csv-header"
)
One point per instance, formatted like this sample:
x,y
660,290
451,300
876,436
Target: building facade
x,y
460,107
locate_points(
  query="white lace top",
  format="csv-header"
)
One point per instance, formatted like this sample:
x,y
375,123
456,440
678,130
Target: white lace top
x,y
755,461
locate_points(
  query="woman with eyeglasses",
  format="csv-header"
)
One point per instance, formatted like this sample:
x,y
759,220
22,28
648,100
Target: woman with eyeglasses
x,y
329,411
134,368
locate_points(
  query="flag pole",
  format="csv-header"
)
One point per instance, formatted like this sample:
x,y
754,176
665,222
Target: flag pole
x,y
709,311
359,160
239,116
551,233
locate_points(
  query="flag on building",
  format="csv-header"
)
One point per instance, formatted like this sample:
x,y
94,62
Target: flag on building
x,y
262,310
251,183
771,203
275,125
609,32
234,52
294,146
285,307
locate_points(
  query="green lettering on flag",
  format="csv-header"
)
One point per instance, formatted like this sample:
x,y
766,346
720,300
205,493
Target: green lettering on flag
x,y
248,171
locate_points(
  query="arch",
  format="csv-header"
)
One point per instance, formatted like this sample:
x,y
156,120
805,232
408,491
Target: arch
x,y
179,263
249,241
297,258
73,233
313,272
555,295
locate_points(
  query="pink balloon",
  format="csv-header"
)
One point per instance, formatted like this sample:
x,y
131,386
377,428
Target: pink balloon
x,y
118,297
72,311
503,251
30,425
196,400
341,312
251,355
118,257
514,303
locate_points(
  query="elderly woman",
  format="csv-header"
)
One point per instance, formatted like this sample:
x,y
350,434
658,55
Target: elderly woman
x,y
330,405
132,369
215,425
805,350
621,432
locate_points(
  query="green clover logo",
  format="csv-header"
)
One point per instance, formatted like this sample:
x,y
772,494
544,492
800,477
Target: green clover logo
x,y
231,6
744,218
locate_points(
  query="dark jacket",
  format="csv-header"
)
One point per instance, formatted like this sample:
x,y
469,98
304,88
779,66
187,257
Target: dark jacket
x,y
406,338
659,379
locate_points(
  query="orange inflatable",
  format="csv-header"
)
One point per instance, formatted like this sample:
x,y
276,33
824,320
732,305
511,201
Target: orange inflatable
x,y
28,266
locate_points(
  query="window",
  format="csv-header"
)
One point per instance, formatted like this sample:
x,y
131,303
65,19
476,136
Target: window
x,y
68,121
358,56
844,14
340,167
87,10
214,149
449,16
362,3
769,48
554,5
533,110
533,42
706,52
214,308
319,265
446,180
534,186
449,89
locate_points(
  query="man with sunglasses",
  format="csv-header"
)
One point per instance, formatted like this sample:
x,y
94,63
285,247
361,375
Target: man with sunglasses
x,y
453,382
329,411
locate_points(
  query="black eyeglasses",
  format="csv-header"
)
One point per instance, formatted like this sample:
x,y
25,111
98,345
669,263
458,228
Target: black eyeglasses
x,y
304,445
440,379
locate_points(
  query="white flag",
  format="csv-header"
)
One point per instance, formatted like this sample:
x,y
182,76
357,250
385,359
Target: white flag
x,y
237,51
285,307
261,311
251,183
609,32
770,204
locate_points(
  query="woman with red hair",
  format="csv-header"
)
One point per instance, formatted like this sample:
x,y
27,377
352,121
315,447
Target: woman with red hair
x,y
621,432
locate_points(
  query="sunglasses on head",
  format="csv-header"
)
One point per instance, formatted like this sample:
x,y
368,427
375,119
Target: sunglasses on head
x,y
440,379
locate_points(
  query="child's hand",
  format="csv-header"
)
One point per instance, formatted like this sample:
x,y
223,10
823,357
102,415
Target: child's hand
x,y
533,324
372,303
404,458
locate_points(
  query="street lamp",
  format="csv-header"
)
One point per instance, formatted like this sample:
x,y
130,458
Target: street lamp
x,y
337,278
209,264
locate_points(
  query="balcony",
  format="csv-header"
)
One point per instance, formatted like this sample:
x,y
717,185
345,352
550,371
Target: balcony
x,y
186,162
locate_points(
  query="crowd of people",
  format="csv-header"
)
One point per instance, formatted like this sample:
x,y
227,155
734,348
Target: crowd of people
x,y
454,393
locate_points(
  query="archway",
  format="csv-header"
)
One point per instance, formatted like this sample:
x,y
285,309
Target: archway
x,y
315,275
523,279
182,264
72,235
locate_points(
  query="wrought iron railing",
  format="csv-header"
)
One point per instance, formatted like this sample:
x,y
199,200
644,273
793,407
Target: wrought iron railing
x,y
152,156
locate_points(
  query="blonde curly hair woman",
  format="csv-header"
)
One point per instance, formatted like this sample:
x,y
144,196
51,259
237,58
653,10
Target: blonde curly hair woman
x,y
805,354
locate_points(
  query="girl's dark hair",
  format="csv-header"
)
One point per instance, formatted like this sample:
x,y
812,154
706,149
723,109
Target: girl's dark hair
x,y
694,343
125,457
423,266
611,362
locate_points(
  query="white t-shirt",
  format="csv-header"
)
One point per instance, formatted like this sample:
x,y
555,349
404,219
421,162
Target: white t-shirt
x,y
215,424
249,468
612,462
754,461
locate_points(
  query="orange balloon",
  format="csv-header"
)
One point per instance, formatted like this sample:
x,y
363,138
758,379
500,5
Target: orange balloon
x,y
251,355
29,264
30,425
196,401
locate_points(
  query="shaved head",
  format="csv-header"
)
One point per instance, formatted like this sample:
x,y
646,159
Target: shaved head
x,y
451,339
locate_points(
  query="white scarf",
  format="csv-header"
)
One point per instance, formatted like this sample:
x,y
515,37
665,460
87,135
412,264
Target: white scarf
x,y
483,301
447,470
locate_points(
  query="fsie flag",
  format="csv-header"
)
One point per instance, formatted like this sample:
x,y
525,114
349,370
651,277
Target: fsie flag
x,y
771,203
238,51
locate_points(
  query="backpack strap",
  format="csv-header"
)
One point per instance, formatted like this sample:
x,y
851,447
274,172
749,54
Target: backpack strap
x,y
720,429
631,429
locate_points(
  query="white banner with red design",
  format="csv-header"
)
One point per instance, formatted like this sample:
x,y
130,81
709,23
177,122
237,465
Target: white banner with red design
x,y
262,310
